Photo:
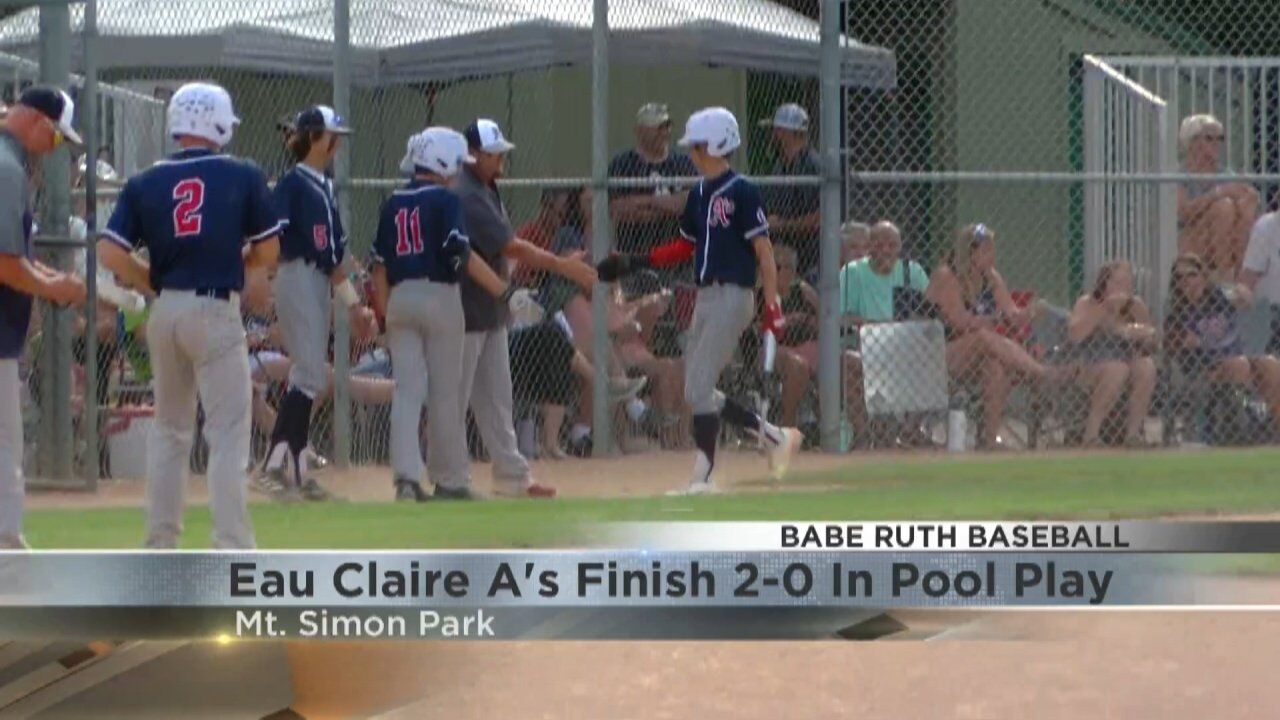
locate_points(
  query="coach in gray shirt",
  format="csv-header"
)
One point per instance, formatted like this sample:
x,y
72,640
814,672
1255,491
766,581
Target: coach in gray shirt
x,y
34,126
486,367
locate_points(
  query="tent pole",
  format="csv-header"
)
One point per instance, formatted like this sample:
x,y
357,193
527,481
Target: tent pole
x,y
341,173
601,223
829,254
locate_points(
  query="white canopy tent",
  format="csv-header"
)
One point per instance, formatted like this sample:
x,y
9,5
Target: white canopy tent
x,y
398,41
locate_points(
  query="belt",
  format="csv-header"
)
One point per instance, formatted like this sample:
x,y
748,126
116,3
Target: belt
x,y
215,293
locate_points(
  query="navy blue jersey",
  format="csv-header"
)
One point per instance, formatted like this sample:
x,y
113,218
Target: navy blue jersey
x,y
308,212
421,234
194,212
721,218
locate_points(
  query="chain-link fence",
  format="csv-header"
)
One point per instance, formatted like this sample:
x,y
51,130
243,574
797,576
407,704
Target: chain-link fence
x,y
985,248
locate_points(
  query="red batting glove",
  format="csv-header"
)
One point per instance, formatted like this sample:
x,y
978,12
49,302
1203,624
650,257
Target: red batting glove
x,y
771,320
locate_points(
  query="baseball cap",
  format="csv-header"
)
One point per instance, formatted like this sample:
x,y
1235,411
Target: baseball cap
x,y
484,135
789,116
652,115
321,118
440,150
715,126
55,105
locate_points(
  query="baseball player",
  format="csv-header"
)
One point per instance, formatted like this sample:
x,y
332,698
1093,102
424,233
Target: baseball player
x,y
195,212
312,249
419,255
34,126
726,234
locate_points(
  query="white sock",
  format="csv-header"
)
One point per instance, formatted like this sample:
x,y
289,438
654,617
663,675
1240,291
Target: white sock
x,y
701,469
772,433
635,409
578,432
278,454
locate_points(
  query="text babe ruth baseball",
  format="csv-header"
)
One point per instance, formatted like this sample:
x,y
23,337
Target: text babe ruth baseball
x,y
725,232
194,212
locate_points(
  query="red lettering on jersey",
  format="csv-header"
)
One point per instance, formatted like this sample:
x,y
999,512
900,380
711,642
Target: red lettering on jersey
x,y
186,214
408,233
320,236
721,209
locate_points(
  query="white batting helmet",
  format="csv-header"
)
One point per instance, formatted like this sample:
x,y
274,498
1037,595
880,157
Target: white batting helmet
x,y
715,127
440,150
203,110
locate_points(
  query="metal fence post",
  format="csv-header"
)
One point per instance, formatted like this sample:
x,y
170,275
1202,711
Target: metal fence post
x,y
341,173
601,224
829,255
89,130
55,69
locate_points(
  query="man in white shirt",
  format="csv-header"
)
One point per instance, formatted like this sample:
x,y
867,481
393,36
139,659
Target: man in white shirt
x,y
1261,270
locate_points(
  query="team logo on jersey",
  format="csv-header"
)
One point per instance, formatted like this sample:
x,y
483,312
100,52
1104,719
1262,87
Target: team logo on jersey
x,y
320,236
721,209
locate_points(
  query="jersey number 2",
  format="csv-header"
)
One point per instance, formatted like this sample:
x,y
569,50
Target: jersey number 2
x,y
186,214
408,233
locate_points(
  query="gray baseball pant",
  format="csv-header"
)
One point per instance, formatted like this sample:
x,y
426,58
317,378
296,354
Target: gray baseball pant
x,y
720,315
303,307
198,344
486,386
425,331
12,484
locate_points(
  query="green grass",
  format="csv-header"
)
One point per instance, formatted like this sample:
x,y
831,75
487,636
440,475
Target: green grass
x,y
1024,487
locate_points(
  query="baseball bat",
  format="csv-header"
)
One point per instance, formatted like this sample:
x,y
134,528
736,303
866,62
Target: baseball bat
x,y
769,345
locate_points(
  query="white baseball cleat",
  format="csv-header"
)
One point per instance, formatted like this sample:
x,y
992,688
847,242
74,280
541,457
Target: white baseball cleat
x,y
706,487
701,483
781,450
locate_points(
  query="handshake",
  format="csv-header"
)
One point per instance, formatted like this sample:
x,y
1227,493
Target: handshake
x,y
621,265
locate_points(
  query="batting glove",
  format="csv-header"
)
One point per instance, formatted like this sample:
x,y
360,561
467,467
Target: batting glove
x,y
771,320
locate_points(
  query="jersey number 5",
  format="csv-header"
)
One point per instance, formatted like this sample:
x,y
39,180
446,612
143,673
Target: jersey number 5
x,y
408,233
186,214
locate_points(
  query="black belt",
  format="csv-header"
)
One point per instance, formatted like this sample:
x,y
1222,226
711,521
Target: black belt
x,y
215,293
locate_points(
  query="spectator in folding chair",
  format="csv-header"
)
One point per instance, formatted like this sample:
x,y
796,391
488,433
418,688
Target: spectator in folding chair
x,y
1110,332
867,290
970,297
1214,218
1203,334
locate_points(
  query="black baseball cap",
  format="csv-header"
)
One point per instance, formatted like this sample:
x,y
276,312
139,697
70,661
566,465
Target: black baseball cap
x,y
320,118
55,105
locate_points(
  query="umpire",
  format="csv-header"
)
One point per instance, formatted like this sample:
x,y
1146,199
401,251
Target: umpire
x,y
35,126
486,367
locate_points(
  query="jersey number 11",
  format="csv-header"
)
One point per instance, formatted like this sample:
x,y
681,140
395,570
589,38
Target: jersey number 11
x,y
407,228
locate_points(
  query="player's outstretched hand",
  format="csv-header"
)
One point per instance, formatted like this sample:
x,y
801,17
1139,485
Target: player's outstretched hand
x,y
579,271
67,290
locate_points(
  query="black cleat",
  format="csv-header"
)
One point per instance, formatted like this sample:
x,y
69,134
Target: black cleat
x,y
462,493
411,491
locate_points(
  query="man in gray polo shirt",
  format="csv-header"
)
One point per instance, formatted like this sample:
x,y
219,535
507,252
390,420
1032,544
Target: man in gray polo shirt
x,y
1261,270
33,127
486,367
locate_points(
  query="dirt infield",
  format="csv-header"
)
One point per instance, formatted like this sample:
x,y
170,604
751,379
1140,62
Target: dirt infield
x,y
637,475
1014,665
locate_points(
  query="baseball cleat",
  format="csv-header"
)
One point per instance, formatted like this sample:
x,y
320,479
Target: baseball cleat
x,y
781,450
411,491
697,487
313,491
13,542
462,493
535,490
314,460
273,483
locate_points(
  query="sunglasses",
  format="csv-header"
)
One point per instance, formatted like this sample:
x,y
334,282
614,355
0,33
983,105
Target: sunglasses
x,y
980,233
